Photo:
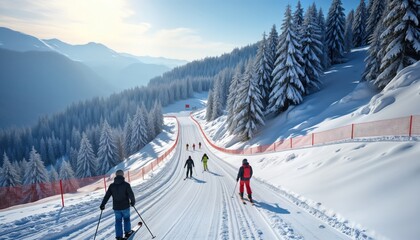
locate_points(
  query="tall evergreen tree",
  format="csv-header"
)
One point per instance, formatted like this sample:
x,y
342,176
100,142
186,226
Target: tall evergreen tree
x,y
157,112
139,134
70,184
36,176
375,13
311,50
400,40
348,34
53,175
127,136
272,42
375,55
263,70
209,106
87,163
287,87
325,60
249,112
232,99
10,176
108,152
359,25
335,32
217,109
298,20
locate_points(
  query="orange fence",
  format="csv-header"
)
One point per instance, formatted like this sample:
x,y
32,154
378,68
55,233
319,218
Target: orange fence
x,y
398,127
10,196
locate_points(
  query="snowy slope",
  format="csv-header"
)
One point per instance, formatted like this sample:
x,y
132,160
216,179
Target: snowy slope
x,y
373,184
173,208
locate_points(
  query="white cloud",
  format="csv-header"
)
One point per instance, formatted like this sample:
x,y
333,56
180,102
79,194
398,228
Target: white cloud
x,y
109,22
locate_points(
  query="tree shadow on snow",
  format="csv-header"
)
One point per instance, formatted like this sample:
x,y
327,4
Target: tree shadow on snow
x,y
273,208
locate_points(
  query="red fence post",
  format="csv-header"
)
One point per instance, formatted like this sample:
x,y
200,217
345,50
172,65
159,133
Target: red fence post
x,y
62,194
105,183
411,126
352,131
291,143
313,137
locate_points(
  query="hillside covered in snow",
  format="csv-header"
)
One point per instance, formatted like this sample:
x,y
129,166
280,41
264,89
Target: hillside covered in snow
x,y
368,181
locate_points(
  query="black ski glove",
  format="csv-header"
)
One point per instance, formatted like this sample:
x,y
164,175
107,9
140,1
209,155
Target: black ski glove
x,y
237,179
132,204
102,207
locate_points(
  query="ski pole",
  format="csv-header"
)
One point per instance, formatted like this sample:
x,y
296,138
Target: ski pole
x,y
144,222
100,216
195,172
235,188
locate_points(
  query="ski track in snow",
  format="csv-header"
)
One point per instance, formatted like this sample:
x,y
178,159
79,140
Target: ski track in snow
x,y
198,208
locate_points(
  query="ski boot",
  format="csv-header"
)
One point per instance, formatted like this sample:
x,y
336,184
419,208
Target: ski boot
x,y
250,198
241,195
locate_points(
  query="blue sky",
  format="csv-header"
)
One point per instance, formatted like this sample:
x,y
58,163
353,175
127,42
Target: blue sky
x,y
182,29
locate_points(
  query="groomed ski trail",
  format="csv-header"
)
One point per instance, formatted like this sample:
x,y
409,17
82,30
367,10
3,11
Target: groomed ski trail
x,y
198,208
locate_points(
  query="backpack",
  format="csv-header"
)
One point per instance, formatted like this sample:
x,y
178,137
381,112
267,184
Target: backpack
x,y
247,172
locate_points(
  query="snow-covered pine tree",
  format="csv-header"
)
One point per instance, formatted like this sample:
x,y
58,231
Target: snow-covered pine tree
x,y
348,34
16,165
217,108
23,165
108,152
43,150
232,99
298,20
311,50
359,25
376,11
287,87
87,163
139,133
157,112
155,120
70,184
249,111
10,176
373,60
335,32
272,42
54,180
401,39
36,177
53,175
209,106
264,69
127,136
325,60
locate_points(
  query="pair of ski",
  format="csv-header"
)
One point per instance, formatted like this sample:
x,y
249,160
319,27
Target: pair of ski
x,y
188,178
133,232
243,200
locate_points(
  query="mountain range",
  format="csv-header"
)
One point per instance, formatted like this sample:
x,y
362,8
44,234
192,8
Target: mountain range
x,y
41,77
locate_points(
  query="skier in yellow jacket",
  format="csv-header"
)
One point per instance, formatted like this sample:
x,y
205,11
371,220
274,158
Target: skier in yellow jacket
x,y
204,159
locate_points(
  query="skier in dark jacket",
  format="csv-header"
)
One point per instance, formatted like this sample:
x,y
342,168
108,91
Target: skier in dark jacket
x,y
190,164
245,174
122,198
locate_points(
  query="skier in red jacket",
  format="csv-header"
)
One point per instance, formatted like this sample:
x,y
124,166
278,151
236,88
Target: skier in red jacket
x,y
245,174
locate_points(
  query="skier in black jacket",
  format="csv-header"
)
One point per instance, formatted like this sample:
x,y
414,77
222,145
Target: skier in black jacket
x,y
190,164
122,198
